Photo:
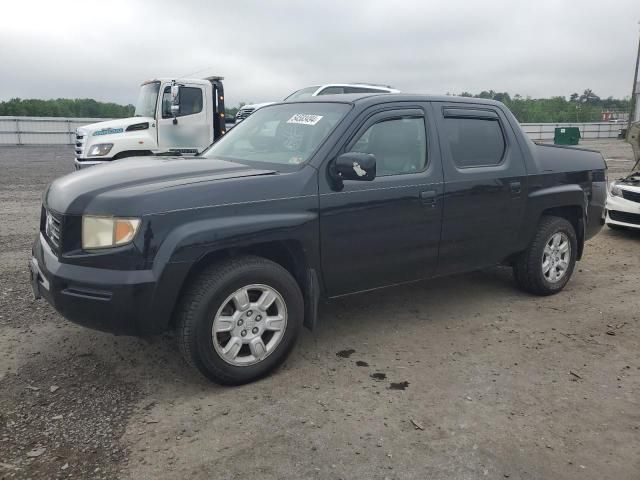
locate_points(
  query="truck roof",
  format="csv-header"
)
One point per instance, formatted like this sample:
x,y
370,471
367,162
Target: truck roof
x,y
200,81
394,97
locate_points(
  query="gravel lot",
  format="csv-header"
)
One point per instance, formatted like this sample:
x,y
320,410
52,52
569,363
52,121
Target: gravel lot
x,y
457,378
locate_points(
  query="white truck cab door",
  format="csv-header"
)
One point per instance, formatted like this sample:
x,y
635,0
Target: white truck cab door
x,y
192,130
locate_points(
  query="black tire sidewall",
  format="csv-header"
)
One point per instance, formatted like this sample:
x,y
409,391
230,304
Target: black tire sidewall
x,y
208,360
560,225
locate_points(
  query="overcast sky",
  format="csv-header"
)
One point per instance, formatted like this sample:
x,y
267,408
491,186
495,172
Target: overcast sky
x,y
266,49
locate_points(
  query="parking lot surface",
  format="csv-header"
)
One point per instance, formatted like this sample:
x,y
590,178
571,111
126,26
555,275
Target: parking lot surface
x,y
457,378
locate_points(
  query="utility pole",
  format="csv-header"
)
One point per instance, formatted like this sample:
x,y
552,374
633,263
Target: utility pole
x,y
633,90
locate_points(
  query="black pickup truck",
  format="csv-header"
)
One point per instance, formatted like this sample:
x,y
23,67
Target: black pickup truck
x,y
307,201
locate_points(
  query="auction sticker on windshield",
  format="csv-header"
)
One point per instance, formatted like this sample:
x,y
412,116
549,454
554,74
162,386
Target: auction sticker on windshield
x,y
305,119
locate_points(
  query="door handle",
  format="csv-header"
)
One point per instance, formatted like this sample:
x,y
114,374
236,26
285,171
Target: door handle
x,y
515,188
428,197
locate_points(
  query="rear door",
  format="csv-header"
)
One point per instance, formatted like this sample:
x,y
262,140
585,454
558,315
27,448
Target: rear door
x,y
385,231
485,186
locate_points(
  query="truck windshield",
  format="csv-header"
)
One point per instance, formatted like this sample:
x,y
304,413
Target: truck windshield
x,y
284,134
147,98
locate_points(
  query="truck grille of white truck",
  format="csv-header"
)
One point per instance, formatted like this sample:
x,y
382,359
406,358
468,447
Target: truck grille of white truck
x,y
79,146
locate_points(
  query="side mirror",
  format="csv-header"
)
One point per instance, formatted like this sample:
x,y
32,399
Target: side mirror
x,y
356,166
175,102
175,94
352,166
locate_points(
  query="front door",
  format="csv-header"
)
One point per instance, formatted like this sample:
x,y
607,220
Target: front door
x,y
194,128
485,186
386,231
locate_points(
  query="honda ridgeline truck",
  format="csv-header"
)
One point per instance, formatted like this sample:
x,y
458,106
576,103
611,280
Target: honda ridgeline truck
x,y
306,201
181,116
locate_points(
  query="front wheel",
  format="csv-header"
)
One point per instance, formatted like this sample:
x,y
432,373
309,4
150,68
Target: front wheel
x,y
239,319
547,265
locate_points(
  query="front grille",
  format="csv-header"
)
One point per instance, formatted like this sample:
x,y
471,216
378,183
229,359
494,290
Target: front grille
x,y
79,146
51,228
244,113
629,195
625,217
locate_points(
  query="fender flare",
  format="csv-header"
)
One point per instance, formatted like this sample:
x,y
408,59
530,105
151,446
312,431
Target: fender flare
x,y
556,198
192,242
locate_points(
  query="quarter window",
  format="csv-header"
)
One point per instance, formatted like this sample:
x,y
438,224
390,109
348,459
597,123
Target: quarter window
x,y
475,142
363,90
399,145
190,99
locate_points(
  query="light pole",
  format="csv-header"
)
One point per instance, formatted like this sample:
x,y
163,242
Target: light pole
x,y
633,90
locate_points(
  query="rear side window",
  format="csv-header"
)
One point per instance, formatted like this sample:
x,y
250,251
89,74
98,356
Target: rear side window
x,y
363,90
475,142
190,100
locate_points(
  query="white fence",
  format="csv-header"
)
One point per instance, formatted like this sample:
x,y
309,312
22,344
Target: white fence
x,y
60,131
588,131
41,130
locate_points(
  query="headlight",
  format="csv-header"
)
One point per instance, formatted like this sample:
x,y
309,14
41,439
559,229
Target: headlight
x,y
106,232
615,190
100,149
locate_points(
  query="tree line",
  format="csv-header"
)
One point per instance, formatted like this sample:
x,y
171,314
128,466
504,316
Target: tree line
x,y
584,107
64,107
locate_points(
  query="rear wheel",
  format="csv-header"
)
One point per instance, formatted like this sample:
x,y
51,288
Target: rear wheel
x,y
239,319
547,265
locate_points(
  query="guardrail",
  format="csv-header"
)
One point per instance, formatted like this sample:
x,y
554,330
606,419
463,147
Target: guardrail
x,y
545,131
41,130
60,131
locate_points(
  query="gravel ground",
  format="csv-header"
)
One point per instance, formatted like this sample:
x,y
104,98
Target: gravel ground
x,y
457,378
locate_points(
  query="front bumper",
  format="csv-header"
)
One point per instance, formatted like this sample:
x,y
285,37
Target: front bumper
x,y
623,212
115,301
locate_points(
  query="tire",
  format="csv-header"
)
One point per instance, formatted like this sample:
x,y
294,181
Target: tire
x,y
212,298
531,272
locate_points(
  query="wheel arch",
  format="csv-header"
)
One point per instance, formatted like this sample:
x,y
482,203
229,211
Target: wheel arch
x,y
566,201
290,254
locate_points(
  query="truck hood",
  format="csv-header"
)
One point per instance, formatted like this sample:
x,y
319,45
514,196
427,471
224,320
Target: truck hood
x,y
113,127
101,188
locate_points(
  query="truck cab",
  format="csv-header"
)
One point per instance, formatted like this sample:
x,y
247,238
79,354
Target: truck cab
x,y
181,116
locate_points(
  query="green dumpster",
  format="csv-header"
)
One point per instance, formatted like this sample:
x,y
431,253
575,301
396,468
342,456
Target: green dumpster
x,y
566,136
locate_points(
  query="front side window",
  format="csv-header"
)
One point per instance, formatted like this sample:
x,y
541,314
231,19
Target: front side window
x,y
332,91
189,98
284,134
302,94
399,145
475,142
147,99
